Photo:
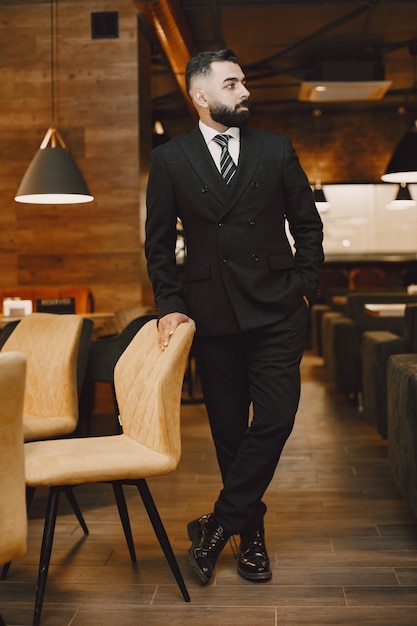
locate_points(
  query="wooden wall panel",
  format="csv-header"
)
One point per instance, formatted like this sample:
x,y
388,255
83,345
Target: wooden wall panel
x,y
50,231
90,268
96,110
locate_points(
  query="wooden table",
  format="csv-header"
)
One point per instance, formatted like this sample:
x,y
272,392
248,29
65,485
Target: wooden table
x,y
98,318
394,309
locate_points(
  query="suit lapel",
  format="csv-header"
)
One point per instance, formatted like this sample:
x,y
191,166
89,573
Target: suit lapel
x,y
196,151
200,159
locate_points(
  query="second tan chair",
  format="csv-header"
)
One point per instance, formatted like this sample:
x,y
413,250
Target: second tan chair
x,y
148,385
50,343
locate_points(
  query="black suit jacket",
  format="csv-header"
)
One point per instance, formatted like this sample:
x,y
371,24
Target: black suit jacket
x,y
241,272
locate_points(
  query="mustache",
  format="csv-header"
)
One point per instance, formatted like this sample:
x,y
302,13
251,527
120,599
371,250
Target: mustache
x,y
244,103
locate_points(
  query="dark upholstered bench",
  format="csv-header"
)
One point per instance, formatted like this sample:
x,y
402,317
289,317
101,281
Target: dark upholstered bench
x,y
343,336
377,347
402,424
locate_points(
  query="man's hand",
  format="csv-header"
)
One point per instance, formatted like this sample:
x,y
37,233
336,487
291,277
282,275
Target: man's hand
x,y
167,326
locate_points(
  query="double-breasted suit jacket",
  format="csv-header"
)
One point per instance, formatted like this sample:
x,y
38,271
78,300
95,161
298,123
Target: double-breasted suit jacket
x,y
241,271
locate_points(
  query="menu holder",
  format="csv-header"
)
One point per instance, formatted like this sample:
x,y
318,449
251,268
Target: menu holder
x,y
55,305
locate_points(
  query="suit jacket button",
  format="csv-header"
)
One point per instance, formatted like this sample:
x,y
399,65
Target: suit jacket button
x,y
223,259
255,258
220,224
251,222
255,184
204,189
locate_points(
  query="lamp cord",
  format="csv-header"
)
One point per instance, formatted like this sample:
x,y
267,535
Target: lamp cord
x,y
413,90
317,115
52,66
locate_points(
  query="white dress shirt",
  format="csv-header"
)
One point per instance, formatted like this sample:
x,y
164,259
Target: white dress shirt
x,y
215,149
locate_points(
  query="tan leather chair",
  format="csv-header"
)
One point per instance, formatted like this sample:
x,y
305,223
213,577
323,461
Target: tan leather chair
x,y
13,520
51,345
148,384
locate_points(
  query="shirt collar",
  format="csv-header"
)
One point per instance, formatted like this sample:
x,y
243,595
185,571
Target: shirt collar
x,y
208,132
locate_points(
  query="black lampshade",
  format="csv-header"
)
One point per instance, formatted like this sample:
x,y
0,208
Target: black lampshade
x,y
159,134
402,167
53,178
320,199
403,199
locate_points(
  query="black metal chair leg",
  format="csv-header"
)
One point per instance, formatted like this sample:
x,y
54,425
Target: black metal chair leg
x,y
77,511
124,518
46,549
2,622
161,535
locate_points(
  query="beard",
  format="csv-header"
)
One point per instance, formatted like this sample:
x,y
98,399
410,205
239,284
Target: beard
x,y
230,117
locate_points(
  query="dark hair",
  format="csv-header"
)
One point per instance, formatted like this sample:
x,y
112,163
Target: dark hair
x,y
200,64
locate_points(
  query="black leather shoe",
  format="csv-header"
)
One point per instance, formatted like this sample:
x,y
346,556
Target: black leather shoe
x,y
208,540
253,561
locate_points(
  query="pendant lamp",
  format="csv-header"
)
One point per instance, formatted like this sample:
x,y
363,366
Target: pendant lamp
x,y
322,204
403,199
53,176
402,167
159,134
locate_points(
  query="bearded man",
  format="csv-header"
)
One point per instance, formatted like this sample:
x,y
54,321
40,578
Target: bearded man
x,y
246,289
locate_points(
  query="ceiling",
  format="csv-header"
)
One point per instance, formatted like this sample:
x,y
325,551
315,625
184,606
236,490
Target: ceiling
x,y
281,43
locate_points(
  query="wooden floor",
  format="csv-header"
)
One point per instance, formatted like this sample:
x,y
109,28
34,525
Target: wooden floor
x,y
342,542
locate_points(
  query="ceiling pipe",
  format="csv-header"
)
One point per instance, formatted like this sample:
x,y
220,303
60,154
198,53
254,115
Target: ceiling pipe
x,y
167,21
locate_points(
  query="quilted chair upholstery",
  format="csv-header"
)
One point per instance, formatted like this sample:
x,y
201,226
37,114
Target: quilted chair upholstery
x,y
56,360
50,343
148,385
13,522
342,338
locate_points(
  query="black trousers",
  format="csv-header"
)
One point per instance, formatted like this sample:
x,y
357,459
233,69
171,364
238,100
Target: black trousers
x,y
258,367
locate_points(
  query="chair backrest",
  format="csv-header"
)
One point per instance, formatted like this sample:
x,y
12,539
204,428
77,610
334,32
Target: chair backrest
x,y
50,343
365,277
13,521
148,384
83,350
105,351
123,317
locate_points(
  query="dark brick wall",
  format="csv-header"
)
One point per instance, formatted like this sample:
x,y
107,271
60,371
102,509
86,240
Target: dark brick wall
x,y
354,147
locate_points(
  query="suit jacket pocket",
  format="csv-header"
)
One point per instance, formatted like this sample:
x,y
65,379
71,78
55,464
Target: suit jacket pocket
x,y
277,262
197,272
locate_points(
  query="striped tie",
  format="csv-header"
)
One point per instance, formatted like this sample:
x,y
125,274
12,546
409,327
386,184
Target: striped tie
x,y
227,165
